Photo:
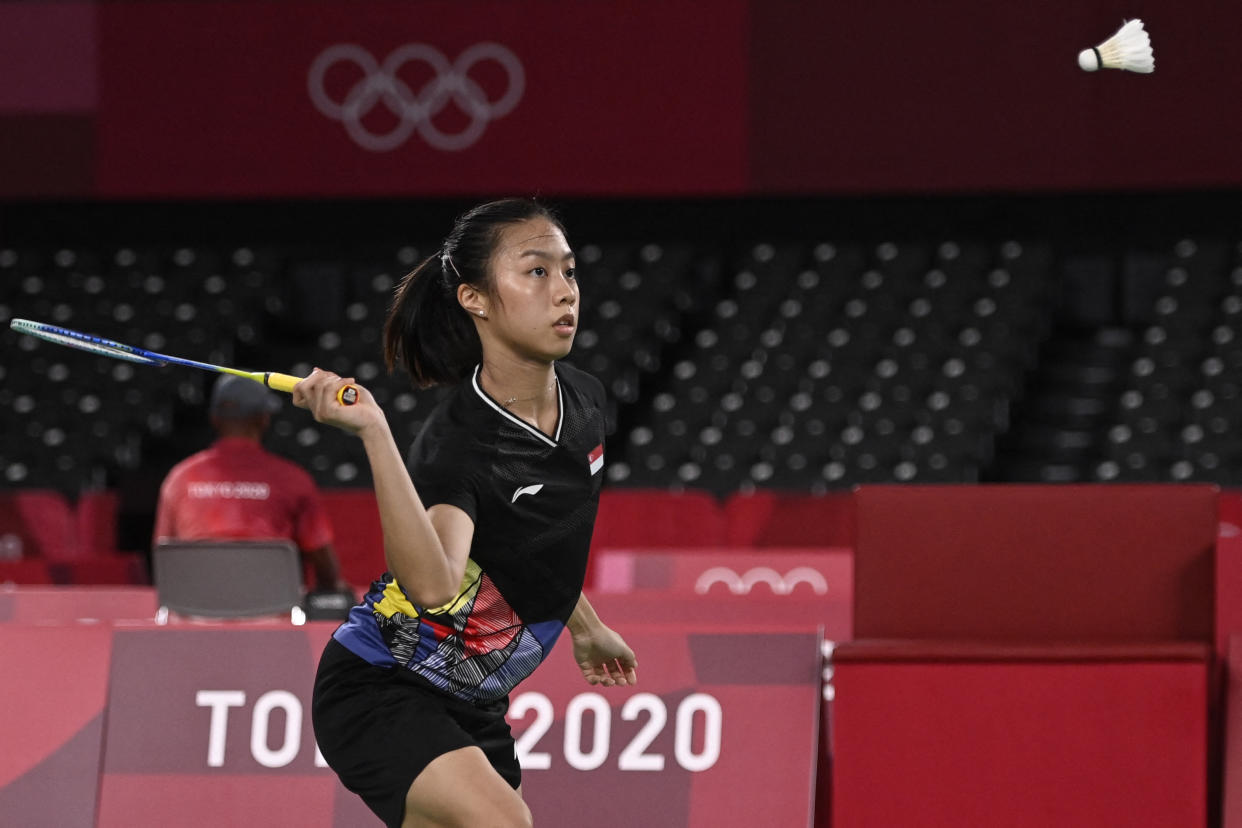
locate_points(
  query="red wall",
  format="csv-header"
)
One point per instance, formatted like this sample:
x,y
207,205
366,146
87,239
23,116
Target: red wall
x,y
187,99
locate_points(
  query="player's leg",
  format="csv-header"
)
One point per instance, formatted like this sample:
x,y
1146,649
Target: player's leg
x,y
461,789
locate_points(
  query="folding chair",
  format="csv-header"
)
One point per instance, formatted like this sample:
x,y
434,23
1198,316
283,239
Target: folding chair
x,y
228,578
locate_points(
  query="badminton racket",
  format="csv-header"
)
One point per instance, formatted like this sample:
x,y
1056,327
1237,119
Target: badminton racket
x,y
347,395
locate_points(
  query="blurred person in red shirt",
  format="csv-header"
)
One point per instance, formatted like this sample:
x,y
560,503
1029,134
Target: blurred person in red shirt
x,y
236,489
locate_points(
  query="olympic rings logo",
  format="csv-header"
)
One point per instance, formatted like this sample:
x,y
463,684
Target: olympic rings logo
x,y
450,82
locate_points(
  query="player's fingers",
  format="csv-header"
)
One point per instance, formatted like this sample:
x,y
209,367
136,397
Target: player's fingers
x,y
325,389
334,388
615,673
304,391
322,394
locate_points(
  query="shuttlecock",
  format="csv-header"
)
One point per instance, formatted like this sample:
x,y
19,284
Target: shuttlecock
x,y
1129,49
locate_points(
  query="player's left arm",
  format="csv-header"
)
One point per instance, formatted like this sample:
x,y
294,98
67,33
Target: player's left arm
x,y
603,656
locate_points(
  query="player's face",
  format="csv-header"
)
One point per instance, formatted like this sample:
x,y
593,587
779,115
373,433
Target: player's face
x,y
537,292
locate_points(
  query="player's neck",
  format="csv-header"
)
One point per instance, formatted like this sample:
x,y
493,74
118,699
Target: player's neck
x,y
525,389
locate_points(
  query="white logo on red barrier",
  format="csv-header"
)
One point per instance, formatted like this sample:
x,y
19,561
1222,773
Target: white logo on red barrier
x,y
779,584
381,85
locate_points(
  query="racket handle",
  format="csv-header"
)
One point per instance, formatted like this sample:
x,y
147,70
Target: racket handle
x,y
347,395
281,382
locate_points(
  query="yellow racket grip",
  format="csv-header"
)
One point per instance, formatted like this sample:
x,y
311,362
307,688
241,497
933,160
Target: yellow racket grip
x,y
280,382
347,395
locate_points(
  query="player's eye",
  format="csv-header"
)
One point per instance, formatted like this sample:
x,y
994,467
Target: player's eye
x,y
571,273
540,272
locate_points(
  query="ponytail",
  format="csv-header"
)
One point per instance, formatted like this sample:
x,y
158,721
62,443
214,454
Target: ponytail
x,y
427,330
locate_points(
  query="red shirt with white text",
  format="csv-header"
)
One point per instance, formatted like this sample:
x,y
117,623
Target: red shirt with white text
x,y
237,489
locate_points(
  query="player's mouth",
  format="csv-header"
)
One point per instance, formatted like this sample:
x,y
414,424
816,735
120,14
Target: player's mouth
x,y
565,325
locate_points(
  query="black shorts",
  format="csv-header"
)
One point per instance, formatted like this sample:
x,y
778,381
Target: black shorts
x,y
378,727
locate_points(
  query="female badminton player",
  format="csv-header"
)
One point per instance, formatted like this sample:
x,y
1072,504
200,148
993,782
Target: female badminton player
x,y
485,533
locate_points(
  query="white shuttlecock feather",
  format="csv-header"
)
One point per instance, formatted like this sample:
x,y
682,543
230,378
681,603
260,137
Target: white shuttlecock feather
x,y
1129,49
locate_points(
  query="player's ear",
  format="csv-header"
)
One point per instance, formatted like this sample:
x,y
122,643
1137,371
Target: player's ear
x,y
473,300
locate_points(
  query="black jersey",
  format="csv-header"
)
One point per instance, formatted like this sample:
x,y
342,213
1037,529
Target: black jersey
x,y
533,499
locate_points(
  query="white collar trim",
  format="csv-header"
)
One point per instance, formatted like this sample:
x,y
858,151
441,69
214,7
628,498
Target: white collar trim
x,y
560,409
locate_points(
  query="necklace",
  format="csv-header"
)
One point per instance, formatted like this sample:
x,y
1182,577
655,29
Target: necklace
x,y
513,400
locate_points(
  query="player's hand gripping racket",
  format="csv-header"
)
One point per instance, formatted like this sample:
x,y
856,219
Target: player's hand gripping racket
x,y
348,395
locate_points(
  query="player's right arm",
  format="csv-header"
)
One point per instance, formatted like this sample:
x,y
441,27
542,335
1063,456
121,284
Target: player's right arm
x,y
426,550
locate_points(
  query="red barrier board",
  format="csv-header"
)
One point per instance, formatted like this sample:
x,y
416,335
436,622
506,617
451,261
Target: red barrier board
x,y
209,724
1231,807
720,731
821,578
719,571
68,604
934,744
387,98
1228,572
54,691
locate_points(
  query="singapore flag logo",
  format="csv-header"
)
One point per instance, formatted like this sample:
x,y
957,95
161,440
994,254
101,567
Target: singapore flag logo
x,y
596,459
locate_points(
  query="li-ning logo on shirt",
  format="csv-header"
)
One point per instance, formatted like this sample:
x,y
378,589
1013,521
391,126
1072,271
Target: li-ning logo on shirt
x,y
530,490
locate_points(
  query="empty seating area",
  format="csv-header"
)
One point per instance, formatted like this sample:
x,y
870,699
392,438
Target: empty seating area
x,y
805,366
1150,390
820,365
743,352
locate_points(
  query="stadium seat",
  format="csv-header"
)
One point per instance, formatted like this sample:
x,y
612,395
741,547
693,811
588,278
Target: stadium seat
x,y
37,524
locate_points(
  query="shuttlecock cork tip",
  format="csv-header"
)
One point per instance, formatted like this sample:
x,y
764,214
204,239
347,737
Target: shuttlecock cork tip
x,y
1089,60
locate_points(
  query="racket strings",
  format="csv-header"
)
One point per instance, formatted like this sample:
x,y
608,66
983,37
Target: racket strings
x,y
85,344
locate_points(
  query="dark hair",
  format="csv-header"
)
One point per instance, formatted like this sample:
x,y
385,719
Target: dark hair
x,y
428,332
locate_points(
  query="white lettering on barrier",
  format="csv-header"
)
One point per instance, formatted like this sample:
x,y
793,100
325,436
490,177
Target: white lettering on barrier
x,y
713,718
634,756
217,731
528,757
260,749
602,715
